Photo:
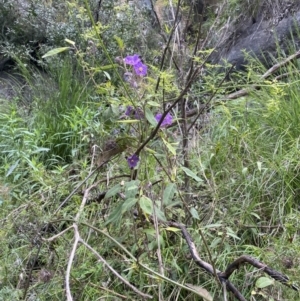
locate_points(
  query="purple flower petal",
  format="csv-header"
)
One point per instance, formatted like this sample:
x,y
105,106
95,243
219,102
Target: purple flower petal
x,y
140,69
167,120
133,161
129,111
132,59
138,112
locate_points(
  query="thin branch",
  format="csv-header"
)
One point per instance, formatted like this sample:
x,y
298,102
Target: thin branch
x,y
57,235
108,290
114,271
70,262
193,250
200,112
168,44
176,100
80,184
269,72
185,143
161,33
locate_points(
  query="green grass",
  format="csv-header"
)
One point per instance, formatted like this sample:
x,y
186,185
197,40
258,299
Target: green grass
x,y
243,191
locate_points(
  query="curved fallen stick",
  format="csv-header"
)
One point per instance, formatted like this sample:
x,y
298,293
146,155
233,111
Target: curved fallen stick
x,y
224,276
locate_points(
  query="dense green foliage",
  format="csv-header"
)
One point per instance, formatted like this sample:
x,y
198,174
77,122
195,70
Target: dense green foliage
x,y
72,209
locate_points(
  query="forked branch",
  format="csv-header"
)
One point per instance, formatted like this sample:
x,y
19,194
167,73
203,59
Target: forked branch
x,y
224,276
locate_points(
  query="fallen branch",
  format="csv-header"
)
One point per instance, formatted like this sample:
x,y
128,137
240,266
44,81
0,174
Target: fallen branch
x,y
254,262
77,240
224,276
269,72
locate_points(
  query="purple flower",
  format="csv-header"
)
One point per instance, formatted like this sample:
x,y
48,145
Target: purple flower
x,y
132,59
138,113
140,69
129,111
133,161
135,61
167,120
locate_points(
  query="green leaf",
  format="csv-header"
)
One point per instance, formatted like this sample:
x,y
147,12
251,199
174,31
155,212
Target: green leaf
x,y
147,208
40,149
215,243
202,291
153,103
128,204
70,42
108,67
194,213
264,282
55,51
231,233
150,117
115,216
160,215
12,168
113,191
153,244
212,226
259,164
146,205
168,193
131,189
256,215
107,75
172,229
191,174
120,42
128,121
170,147
245,170
151,151
150,231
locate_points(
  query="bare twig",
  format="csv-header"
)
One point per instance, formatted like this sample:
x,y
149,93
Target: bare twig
x,y
185,143
57,235
114,271
70,262
167,46
80,184
108,290
207,104
269,72
161,33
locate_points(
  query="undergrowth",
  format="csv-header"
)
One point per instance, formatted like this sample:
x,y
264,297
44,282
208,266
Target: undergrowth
x,y
86,199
